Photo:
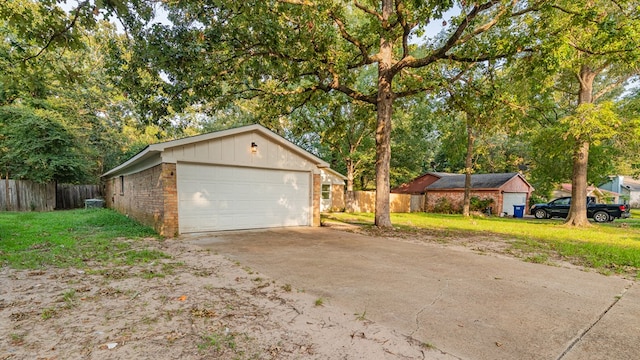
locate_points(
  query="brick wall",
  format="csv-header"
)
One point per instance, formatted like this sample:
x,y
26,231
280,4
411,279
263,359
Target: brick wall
x,y
456,199
170,191
316,193
149,197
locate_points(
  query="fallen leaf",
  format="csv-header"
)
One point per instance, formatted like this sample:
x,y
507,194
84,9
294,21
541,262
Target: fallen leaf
x,y
182,298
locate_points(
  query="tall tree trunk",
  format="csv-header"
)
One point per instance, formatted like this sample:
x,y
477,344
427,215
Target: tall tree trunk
x,y
468,169
350,173
578,211
383,129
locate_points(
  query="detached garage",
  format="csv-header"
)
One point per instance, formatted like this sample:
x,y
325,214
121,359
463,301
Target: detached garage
x,y
242,178
505,189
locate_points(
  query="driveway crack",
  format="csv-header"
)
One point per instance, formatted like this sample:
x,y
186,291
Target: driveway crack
x,y
433,302
588,329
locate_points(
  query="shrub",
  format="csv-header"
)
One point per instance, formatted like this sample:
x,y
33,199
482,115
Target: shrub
x,y
477,204
444,206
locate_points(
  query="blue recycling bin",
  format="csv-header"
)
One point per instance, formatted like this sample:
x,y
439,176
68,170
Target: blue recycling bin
x,y
518,211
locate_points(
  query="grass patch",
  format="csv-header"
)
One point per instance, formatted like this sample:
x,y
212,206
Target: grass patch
x,y
31,240
218,342
607,247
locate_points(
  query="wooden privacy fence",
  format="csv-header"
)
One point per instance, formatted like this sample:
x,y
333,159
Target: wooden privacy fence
x,y
69,196
25,195
365,201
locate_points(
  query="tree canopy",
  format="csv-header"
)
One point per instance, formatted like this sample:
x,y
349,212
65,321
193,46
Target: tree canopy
x,y
382,89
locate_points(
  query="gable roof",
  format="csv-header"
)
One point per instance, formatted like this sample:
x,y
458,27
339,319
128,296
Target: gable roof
x,y
591,190
154,150
331,172
417,185
478,181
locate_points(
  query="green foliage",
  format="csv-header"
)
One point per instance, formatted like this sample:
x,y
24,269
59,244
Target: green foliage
x,y
37,146
477,204
63,117
537,199
444,206
590,122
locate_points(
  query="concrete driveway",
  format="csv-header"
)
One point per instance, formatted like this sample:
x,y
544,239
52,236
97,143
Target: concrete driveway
x,y
467,305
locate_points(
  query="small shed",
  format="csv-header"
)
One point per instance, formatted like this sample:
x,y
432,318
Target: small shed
x,y
505,189
241,178
333,185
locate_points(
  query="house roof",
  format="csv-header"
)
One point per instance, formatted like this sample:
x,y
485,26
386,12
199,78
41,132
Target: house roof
x,y
631,184
335,174
566,187
154,150
478,181
417,185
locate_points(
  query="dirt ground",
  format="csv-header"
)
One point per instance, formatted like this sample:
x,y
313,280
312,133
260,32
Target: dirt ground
x,y
198,305
195,305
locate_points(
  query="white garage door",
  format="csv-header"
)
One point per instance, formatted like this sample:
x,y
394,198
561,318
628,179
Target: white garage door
x,y
212,198
510,199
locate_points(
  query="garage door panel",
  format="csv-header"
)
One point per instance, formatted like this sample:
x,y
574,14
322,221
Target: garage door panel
x,y
511,199
215,198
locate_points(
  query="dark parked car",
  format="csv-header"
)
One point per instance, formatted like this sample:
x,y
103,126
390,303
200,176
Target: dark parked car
x,y
598,212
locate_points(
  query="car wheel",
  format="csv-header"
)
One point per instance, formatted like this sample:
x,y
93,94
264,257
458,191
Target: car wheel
x,y
540,214
601,216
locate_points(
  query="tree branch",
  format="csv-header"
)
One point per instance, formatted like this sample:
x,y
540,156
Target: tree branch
x,y
595,53
367,10
482,28
406,28
613,85
430,88
453,40
356,95
298,2
61,32
455,37
533,7
364,52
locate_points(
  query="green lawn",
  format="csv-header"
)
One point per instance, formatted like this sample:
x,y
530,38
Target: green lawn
x,y
82,237
613,247
30,240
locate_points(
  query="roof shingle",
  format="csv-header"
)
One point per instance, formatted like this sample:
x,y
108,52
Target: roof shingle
x,y
478,181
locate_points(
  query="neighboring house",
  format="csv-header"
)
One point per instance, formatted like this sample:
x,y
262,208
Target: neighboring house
x,y
506,190
626,186
333,184
417,185
242,178
602,196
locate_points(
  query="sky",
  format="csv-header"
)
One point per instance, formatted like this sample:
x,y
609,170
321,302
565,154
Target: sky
x,y
161,17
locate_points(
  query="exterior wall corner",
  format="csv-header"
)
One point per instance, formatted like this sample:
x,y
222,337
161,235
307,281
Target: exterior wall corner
x,y
316,196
